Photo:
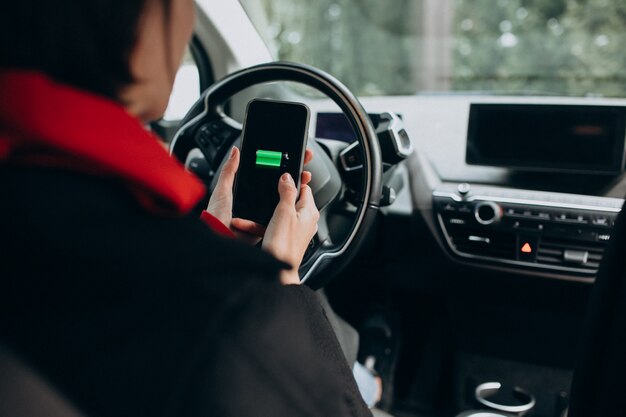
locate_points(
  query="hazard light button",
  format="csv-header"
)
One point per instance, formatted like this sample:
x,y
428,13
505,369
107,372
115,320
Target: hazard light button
x,y
527,248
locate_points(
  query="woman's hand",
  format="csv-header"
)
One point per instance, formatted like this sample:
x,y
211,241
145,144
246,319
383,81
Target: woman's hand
x,y
292,227
221,202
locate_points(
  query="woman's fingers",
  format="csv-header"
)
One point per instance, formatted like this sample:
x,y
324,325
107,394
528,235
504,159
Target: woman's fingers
x,y
306,203
221,201
287,191
229,170
308,155
292,226
248,226
306,178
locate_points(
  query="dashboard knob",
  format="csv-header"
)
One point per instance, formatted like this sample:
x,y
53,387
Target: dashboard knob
x,y
464,188
487,212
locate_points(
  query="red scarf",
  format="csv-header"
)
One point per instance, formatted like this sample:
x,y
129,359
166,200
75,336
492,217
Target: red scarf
x,y
46,123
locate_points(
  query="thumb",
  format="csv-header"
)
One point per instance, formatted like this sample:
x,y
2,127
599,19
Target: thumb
x,y
227,176
287,190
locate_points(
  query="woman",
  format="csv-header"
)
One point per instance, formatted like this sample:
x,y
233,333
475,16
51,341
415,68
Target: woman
x,y
109,286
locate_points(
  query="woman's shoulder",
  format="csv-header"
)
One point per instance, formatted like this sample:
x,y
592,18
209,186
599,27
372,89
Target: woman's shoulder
x,y
96,224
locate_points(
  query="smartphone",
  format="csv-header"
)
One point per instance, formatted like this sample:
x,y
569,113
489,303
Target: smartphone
x,y
274,141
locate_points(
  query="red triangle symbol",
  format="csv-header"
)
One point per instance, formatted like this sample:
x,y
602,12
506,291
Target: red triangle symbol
x,y
526,248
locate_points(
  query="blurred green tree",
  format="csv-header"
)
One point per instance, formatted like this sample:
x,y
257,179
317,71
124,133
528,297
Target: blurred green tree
x,y
564,47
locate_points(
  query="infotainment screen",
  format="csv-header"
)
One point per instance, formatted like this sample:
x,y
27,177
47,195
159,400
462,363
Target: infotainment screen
x,y
552,138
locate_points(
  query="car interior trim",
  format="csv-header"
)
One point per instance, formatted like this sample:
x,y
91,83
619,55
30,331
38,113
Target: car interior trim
x,y
515,263
541,203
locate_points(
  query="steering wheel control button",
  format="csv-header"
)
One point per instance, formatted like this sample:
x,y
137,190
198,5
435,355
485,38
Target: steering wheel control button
x,y
204,140
197,163
487,212
224,135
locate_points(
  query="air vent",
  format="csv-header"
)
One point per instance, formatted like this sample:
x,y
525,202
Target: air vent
x,y
570,253
482,242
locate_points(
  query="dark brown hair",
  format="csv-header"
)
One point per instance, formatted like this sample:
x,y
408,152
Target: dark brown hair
x,y
84,43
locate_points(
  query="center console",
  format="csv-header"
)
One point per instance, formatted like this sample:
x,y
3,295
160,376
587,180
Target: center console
x,y
548,233
537,231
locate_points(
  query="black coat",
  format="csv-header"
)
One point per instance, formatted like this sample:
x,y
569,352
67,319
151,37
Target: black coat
x,y
134,314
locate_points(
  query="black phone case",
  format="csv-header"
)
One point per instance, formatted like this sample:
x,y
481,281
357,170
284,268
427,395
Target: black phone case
x,y
264,218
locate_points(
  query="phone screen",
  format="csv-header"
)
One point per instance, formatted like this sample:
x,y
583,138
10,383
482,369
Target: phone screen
x,y
274,141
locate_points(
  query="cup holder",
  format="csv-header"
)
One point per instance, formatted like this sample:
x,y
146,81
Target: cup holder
x,y
515,401
479,413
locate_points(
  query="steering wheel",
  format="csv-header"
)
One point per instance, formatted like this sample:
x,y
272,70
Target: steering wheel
x,y
207,127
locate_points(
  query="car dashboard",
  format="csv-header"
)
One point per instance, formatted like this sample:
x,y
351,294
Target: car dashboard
x,y
530,222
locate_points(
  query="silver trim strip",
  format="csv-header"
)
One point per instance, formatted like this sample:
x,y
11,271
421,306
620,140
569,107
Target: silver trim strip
x,y
540,203
479,239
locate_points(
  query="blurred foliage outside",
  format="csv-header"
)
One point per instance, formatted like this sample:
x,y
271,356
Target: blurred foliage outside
x,y
404,47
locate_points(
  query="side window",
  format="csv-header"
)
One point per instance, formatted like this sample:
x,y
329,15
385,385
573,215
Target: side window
x,y
193,75
186,89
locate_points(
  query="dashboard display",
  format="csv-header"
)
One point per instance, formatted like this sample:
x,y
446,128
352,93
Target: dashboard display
x,y
336,126
567,138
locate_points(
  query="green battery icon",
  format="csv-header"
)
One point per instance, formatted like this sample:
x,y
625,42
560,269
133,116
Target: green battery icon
x,y
269,158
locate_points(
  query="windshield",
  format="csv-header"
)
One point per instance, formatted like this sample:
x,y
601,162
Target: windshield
x,y
406,47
